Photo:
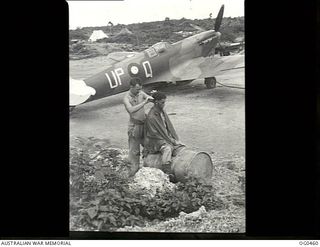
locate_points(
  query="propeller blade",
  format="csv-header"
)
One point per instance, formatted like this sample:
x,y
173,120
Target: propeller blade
x,y
218,21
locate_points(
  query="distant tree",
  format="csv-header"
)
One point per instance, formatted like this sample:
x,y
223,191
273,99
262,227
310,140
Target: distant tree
x,y
167,22
110,25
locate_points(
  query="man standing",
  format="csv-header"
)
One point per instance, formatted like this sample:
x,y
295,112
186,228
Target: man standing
x,y
160,135
134,102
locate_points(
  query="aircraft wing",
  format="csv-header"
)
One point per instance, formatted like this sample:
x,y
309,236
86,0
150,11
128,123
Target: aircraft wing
x,y
222,65
201,67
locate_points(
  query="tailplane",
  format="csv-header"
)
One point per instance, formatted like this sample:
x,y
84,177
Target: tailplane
x,y
79,92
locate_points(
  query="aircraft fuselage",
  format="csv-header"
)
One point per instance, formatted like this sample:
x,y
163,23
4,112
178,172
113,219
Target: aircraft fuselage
x,y
150,64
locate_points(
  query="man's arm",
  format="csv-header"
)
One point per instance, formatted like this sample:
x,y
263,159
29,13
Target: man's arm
x,y
145,95
130,108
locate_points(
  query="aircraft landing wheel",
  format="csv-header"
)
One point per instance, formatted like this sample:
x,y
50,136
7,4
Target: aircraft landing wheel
x,y
210,82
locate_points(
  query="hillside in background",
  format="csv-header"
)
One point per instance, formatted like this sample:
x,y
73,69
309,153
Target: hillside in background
x,y
147,33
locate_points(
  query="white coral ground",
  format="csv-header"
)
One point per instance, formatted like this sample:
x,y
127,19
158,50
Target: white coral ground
x,y
151,181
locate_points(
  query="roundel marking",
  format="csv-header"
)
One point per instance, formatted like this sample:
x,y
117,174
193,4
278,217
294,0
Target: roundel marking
x,y
134,70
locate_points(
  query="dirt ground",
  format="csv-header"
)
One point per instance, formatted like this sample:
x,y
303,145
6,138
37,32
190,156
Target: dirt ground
x,y
211,120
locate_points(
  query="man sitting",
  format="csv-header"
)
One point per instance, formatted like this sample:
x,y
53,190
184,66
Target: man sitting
x,y
160,135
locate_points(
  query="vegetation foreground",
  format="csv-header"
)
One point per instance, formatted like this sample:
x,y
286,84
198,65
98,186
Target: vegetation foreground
x,y
104,198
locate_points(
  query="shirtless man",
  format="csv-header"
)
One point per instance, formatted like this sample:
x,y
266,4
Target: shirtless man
x,y
134,102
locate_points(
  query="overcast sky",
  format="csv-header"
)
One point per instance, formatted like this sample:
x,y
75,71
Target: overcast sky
x,y
99,13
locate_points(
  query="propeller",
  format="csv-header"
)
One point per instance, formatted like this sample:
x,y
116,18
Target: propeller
x,y
217,24
218,21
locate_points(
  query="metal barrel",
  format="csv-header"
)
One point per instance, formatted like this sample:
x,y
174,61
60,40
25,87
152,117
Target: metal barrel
x,y
191,163
186,163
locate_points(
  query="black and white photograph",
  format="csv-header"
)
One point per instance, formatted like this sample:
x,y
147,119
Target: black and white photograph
x,y
157,116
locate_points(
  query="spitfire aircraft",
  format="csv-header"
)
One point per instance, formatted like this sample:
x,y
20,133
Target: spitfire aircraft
x,y
177,63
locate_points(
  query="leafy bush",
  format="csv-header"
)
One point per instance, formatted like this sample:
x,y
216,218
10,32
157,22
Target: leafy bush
x,y
102,200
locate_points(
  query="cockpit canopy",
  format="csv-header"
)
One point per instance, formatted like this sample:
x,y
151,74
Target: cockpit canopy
x,y
161,46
